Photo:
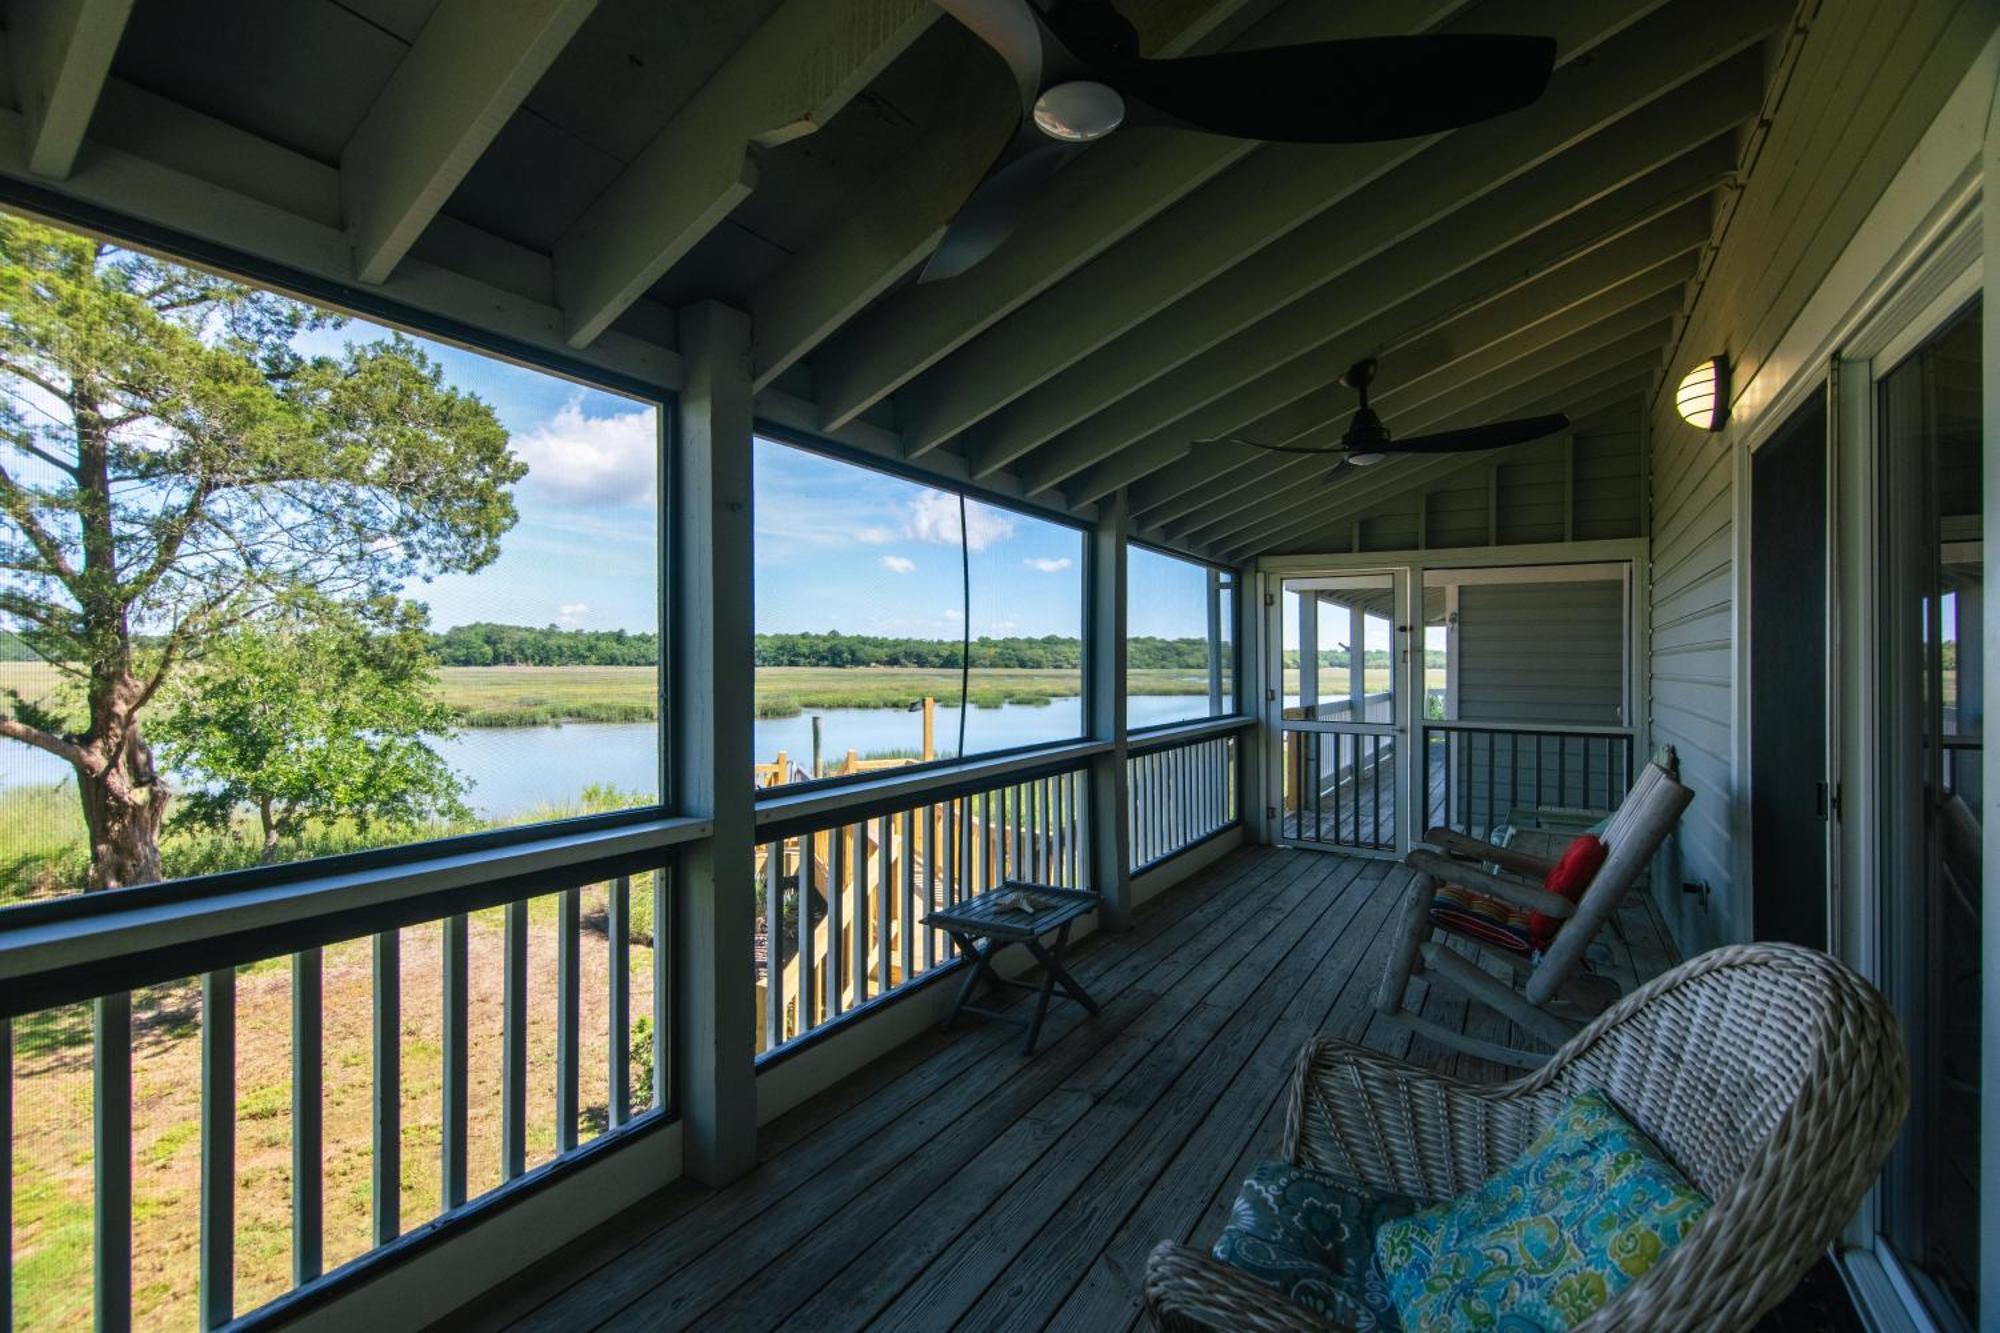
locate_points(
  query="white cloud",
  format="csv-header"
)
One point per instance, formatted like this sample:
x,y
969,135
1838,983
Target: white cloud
x,y
1002,628
933,518
896,564
591,460
874,536
1049,564
570,614
954,615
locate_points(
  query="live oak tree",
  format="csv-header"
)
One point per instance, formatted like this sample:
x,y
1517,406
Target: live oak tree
x,y
320,711
172,469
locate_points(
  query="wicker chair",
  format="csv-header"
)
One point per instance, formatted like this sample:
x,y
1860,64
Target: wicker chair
x,y
1772,1075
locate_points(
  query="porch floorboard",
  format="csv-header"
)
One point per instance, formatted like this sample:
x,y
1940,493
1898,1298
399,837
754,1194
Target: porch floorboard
x,y
955,1184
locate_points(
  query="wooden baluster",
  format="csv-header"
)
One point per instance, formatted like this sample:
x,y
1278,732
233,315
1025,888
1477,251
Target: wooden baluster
x,y
514,1043
569,1022
455,1040
618,1002
217,1259
111,1150
308,1116
388,1107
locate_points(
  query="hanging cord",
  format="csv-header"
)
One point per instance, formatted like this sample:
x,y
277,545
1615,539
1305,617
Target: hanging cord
x,y
965,623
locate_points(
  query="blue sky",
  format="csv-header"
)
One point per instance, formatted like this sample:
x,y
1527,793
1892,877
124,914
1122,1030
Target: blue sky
x,y
841,547
837,546
582,555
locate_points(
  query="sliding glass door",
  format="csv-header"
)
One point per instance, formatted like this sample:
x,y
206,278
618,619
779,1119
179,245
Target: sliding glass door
x,y
1933,598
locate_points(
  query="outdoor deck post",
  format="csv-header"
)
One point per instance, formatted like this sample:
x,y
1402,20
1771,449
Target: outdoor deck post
x,y
1249,687
712,695
1110,861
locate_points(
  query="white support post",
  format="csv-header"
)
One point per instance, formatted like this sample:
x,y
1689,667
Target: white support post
x,y
711,691
1251,676
1110,853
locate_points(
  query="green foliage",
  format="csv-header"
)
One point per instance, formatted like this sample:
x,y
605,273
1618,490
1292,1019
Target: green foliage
x,y
321,711
486,644
172,469
640,1061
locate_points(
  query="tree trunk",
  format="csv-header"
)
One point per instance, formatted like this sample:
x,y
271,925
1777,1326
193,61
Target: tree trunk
x,y
123,811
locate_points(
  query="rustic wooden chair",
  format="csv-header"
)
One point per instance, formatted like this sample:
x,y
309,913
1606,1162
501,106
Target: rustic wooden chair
x,y
1558,992
1771,1074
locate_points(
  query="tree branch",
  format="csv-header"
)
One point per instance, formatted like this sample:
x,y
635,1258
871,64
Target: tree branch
x,y
42,740
14,504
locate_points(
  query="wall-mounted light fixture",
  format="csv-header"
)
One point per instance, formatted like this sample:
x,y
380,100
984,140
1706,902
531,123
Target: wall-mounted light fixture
x,y
1703,398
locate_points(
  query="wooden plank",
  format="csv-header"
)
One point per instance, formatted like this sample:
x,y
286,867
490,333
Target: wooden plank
x,y
471,67
948,1200
1196,1126
62,52
963,1068
1221,1148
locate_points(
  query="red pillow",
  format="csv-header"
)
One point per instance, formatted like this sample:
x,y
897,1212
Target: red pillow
x,y
1569,876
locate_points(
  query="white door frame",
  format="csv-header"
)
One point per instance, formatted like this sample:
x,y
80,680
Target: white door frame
x,y
1326,573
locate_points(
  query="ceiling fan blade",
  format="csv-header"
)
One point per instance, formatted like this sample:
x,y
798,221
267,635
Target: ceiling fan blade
x,y
1324,451
997,204
1359,90
1012,28
1494,435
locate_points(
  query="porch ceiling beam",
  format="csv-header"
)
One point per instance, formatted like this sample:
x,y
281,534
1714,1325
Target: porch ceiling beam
x,y
1594,249
1465,347
1117,187
62,52
1284,521
1137,315
1536,377
1284,498
1168,370
471,67
1658,300
790,76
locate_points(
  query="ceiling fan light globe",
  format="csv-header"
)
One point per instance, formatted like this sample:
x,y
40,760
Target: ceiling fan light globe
x,y
1365,459
1079,111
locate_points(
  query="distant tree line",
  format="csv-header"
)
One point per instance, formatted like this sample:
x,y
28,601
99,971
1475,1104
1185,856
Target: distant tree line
x,y
486,644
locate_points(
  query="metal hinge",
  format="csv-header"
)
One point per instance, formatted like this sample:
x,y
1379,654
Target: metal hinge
x,y
1270,696
1827,799
1270,812
1270,599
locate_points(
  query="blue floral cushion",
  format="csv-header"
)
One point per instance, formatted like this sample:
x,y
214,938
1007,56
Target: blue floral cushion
x,y
1310,1234
1584,1213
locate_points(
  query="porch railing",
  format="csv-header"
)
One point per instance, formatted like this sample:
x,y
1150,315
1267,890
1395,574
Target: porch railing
x,y
1480,775
843,889
1182,792
270,1057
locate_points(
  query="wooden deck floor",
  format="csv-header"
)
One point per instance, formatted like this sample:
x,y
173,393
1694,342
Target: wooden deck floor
x,y
954,1184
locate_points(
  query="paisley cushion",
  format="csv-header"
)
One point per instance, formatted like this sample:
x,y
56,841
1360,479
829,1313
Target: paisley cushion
x,y
1310,1234
1584,1213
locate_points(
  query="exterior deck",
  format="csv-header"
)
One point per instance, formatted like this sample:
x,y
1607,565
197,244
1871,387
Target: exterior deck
x,y
955,1184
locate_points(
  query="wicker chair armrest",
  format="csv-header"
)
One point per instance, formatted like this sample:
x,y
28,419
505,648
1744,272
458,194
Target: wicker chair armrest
x,y
1528,897
1187,1290
1454,843
1400,1128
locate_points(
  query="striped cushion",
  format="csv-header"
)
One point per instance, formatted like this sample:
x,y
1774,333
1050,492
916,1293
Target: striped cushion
x,y
1481,917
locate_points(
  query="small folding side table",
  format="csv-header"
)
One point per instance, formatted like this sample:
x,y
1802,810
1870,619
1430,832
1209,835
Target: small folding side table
x,y
984,924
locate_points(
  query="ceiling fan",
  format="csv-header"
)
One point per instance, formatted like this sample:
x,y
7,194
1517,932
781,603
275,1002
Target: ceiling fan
x,y
1077,65
1367,441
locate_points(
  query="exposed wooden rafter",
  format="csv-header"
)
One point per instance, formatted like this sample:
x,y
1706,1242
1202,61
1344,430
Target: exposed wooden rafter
x,y
1036,375
62,52
788,79
1540,314
1307,345
468,71
1287,516
1092,205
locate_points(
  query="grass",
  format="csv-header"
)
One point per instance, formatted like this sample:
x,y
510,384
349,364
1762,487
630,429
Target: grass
x,y
53,1166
